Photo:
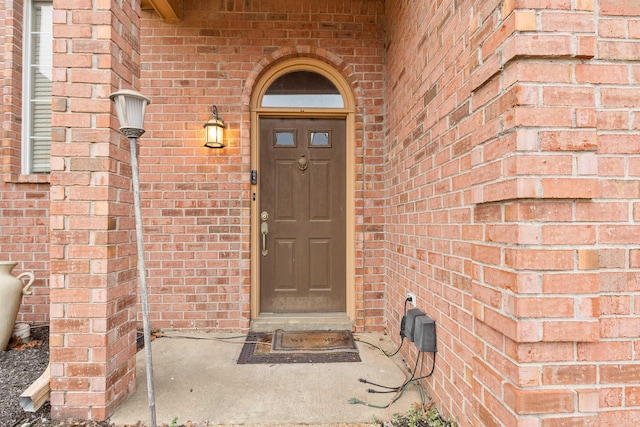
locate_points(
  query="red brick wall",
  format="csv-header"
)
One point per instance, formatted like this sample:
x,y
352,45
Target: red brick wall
x,y
512,165
24,199
196,201
93,251
501,189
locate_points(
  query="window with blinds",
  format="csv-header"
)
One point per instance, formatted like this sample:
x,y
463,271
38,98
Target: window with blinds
x,y
37,88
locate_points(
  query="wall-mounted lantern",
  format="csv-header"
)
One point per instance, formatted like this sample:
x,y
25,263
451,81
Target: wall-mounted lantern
x,y
214,131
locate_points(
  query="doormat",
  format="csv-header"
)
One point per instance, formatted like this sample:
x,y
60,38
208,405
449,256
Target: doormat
x,y
299,347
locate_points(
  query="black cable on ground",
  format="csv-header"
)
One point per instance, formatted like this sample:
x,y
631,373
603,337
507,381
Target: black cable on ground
x,y
380,348
396,388
400,390
398,395
397,350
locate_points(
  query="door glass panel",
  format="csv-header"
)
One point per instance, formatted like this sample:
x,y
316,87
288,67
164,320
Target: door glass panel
x,y
320,139
285,139
302,89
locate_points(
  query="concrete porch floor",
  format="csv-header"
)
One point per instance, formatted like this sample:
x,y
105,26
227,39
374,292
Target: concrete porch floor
x,y
196,379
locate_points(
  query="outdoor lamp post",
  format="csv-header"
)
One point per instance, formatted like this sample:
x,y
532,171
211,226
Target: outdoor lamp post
x,y
130,107
214,131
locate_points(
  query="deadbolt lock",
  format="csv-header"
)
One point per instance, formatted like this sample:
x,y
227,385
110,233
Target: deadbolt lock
x,y
264,216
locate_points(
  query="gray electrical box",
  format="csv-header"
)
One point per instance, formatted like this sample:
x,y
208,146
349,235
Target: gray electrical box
x,y
409,324
424,334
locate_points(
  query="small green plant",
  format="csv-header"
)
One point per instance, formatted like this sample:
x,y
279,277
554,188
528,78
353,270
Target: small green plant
x,y
174,422
427,417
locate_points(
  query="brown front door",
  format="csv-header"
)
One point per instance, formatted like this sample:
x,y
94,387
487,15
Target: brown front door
x,y
302,215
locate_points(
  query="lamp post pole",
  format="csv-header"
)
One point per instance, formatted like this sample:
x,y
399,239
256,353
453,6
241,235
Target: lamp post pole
x,y
142,273
133,131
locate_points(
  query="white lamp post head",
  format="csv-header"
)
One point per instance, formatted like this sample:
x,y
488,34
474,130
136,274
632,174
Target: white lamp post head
x,y
130,108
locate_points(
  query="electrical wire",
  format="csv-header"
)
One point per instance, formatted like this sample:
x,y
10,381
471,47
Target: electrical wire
x,y
413,374
398,395
359,339
192,337
421,390
221,339
433,367
397,350
400,389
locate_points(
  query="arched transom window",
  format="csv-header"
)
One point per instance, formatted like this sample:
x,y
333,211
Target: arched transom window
x,y
302,89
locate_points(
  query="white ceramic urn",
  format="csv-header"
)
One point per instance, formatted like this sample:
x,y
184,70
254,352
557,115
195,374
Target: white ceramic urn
x,y
11,290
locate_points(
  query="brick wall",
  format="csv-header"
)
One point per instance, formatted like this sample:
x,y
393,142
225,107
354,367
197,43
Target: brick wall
x,y
196,201
501,189
93,251
512,164
24,199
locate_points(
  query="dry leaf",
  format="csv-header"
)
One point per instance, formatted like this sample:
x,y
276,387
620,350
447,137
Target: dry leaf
x,y
17,344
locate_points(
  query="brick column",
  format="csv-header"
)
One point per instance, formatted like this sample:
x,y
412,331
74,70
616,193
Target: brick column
x,y
513,207
93,253
554,274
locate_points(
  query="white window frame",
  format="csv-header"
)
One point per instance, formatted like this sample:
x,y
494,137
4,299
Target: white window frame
x,y
28,156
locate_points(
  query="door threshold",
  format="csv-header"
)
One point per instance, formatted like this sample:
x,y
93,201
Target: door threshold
x,y
301,322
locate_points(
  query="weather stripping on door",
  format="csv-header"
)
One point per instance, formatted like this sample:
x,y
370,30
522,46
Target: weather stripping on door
x,y
264,230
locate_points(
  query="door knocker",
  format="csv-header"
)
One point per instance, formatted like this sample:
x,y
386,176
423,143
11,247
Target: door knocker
x,y
303,164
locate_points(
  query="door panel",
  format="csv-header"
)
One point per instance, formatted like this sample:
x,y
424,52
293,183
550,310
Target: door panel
x,y
284,255
320,203
320,264
285,191
303,192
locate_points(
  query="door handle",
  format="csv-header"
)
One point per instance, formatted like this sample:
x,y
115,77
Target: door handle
x,y
264,229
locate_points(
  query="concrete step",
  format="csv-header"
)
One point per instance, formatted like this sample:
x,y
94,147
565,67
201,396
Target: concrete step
x,y
301,322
